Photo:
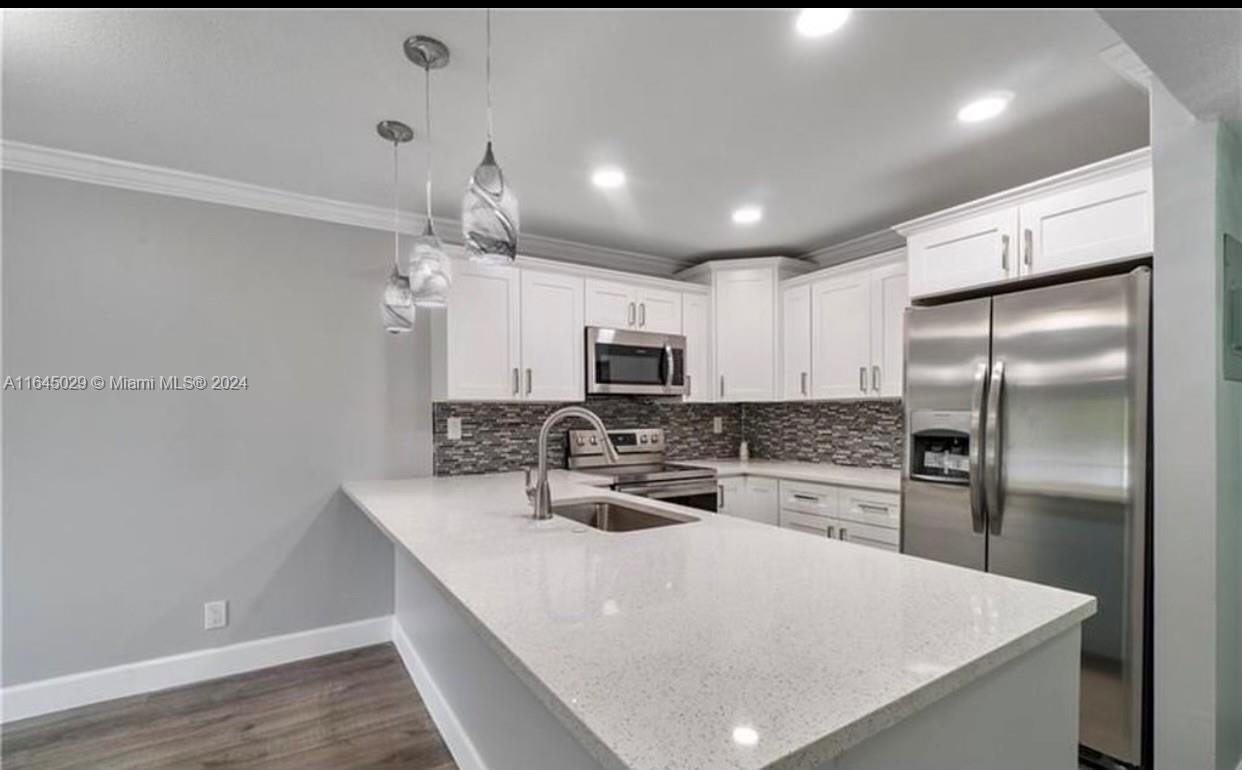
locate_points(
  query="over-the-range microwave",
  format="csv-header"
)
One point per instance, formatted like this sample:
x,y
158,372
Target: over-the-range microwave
x,y
619,361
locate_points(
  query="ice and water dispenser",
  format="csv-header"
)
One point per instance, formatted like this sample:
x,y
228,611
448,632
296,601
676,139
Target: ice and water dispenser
x,y
940,446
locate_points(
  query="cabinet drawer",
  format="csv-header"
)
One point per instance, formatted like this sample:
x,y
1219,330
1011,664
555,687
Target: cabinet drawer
x,y
817,499
805,522
867,534
880,509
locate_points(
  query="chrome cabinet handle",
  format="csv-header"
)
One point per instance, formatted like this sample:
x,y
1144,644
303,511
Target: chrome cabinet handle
x,y
1028,246
975,459
809,498
804,384
722,386
689,386
875,378
642,314
1005,253
720,497
862,378
630,315
831,529
529,378
517,384
843,533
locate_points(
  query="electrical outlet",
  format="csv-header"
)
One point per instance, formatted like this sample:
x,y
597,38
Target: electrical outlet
x,y
454,428
717,425
215,615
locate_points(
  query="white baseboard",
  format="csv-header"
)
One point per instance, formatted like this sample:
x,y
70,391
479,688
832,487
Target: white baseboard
x,y
459,744
65,692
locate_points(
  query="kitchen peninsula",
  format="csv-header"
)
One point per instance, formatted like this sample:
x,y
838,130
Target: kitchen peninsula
x,y
719,643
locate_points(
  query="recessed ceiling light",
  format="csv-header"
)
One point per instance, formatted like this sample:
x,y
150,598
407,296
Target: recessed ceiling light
x,y
747,215
817,22
745,735
985,108
608,177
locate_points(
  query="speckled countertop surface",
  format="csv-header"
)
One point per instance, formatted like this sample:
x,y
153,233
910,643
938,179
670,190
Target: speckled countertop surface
x,y
823,473
719,644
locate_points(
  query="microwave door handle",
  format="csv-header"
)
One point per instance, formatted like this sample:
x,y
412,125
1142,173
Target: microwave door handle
x,y
670,374
994,448
976,460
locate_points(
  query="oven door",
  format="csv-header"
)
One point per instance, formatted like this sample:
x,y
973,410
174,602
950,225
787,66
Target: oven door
x,y
699,493
642,363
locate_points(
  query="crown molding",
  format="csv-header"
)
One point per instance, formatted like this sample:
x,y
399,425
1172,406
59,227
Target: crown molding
x,y
1122,59
159,180
857,248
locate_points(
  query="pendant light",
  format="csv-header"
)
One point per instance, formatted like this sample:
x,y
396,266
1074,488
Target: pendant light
x,y
489,209
398,301
429,276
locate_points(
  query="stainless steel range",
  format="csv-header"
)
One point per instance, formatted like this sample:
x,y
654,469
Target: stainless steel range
x,y
641,468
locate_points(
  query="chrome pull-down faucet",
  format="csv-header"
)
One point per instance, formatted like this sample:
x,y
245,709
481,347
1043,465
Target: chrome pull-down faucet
x,y
537,489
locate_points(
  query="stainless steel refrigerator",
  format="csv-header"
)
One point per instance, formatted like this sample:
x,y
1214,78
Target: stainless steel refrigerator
x,y
1027,447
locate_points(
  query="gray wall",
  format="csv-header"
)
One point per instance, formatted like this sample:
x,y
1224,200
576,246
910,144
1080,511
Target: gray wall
x,y
124,512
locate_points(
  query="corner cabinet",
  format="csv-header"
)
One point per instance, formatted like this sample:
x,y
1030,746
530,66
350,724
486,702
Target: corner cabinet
x,y
744,324
1092,215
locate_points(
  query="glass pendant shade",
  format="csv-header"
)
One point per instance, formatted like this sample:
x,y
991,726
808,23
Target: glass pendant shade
x,y
398,305
429,279
489,214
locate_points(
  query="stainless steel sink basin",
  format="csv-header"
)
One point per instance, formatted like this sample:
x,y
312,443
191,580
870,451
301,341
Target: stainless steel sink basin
x,y
613,516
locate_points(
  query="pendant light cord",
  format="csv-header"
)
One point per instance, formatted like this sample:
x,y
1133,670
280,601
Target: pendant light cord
x,y
396,211
489,75
427,112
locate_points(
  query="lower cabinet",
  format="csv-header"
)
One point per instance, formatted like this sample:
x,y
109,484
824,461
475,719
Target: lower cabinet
x,y
865,517
749,497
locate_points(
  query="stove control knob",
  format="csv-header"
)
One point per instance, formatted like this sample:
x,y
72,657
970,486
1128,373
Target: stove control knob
x,y
655,438
578,440
594,441
642,439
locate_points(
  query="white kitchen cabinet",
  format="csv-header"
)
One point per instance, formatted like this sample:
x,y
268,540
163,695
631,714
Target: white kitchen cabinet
x,y
616,305
1100,221
890,296
552,342
1095,214
976,250
477,343
841,336
865,517
731,496
796,343
749,497
695,319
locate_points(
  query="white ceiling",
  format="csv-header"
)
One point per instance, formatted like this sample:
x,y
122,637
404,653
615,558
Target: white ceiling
x,y
705,110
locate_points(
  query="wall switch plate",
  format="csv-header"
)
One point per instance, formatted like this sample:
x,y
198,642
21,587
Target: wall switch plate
x,y
215,615
717,425
454,428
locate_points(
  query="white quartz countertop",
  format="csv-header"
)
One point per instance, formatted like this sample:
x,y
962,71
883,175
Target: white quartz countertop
x,y
824,473
718,644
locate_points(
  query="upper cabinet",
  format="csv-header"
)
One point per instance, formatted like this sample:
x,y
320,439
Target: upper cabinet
x,y
1099,213
477,343
696,316
552,337
615,305
796,343
890,296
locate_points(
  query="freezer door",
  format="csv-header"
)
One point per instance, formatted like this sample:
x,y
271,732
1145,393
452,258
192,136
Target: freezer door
x,y
1067,440
946,356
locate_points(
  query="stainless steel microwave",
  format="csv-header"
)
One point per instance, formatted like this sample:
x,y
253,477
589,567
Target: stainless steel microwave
x,y
639,363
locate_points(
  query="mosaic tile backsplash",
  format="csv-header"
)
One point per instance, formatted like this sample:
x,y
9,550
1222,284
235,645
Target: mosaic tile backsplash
x,y
501,436
865,433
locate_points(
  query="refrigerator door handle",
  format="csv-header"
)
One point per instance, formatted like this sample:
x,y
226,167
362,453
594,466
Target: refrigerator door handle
x,y
976,447
994,447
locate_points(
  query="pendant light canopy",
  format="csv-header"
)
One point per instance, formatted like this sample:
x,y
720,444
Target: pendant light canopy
x,y
489,209
398,302
429,270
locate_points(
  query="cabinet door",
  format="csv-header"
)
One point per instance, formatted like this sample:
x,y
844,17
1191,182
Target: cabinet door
x,y
610,305
658,310
981,249
745,315
552,337
796,343
695,327
841,337
483,324
889,298
763,503
1100,221
732,496
866,534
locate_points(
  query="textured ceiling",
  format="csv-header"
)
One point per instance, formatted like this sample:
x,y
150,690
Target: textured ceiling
x,y
705,110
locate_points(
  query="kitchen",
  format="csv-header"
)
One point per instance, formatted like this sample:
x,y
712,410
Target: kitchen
x,y
973,355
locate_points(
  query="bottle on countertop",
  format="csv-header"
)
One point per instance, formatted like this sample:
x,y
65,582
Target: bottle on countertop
x,y
743,451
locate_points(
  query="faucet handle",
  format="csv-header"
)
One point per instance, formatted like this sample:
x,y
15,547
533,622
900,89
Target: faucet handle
x,y
531,483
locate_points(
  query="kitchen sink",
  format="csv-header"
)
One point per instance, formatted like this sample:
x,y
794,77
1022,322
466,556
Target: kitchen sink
x,y
613,516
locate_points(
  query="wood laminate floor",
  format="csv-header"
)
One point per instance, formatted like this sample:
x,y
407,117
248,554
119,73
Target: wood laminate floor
x,y
352,709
